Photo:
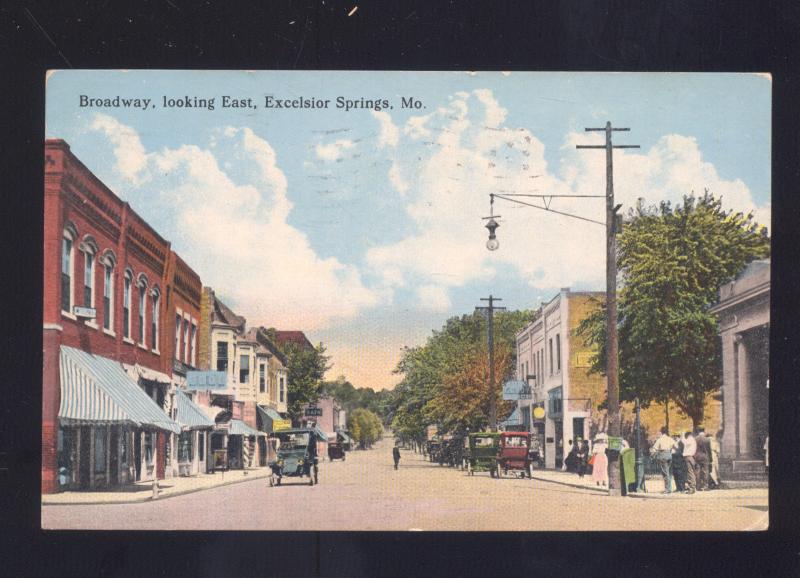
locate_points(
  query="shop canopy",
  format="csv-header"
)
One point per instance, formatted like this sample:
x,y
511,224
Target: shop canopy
x,y
97,391
137,372
344,437
321,434
514,419
513,389
239,428
271,421
189,415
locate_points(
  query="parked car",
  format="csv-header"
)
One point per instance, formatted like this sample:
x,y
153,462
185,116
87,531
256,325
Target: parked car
x,y
296,456
434,449
514,454
482,455
336,451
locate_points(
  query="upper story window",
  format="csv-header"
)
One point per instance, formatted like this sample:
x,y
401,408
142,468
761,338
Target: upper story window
x,y
178,336
185,340
244,369
282,389
550,345
126,304
262,378
222,356
142,285
156,297
194,345
558,352
67,267
108,291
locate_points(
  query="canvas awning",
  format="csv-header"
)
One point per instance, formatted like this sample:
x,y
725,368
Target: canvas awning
x,y
239,428
513,389
96,390
514,419
344,437
271,420
321,434
190,415
139,371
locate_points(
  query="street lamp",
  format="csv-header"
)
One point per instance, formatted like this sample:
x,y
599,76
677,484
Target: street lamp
x,y
611,224
492,244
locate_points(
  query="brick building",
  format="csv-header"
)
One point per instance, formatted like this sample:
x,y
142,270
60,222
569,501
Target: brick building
x,y
105,280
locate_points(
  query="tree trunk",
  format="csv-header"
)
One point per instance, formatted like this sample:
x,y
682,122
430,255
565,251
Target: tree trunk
x,y
666,413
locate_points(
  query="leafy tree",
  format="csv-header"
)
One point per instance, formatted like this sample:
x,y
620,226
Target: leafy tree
x,y
305,371
429,392
672,262
365,427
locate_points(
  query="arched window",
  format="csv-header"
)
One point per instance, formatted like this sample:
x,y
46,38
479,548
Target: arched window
x,y
89,248
67,267
156,297
109,262
126,304
142,285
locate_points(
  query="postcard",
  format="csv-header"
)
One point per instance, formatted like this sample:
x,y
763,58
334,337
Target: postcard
x,y
416,301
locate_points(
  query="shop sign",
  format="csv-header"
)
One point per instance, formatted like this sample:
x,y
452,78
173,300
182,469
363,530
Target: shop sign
x,y
281,424
538,412
313,411
206,379
87,312
614,443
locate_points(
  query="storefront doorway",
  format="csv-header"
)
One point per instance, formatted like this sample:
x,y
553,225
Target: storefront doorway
x,y
137,454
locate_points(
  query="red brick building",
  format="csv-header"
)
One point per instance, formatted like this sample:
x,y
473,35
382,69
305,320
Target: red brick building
x,y
129,287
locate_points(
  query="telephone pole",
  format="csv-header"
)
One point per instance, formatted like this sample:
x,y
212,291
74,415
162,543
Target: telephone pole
x,y
612,369
490,334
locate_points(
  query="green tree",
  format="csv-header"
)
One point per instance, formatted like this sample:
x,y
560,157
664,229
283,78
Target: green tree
x,y
429,394
672,262
365,427
305,371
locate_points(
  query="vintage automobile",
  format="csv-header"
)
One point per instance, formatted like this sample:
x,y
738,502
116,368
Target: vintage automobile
x,y
434,449
482,453
297,456
336,451
454,451
514,455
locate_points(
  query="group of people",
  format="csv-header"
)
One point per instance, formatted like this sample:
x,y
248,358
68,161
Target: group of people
x,y
583,456
692,461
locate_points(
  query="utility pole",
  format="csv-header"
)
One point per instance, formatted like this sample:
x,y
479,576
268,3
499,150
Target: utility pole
x,y
490,334
612,369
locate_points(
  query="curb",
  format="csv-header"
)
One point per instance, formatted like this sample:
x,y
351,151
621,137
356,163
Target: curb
x,y
598,490
149,498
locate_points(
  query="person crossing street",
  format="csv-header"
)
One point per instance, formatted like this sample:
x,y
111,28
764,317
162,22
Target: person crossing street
x,y
396,456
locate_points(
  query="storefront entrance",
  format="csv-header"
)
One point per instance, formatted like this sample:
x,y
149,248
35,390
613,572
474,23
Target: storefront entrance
x,y
137,455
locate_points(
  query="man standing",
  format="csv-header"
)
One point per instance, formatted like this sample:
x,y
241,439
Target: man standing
x,y
662,452
689,449
678,465
701,459
396,456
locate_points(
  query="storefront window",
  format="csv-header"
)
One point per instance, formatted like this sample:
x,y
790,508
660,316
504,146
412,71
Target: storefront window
x,y
64,457
123,452
185,446
99,450
201,446
148,447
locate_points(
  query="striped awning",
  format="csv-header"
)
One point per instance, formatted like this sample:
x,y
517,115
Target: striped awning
x,y
344,437
189,415
239,428
271,420
514,419
96,390
321,434
141,372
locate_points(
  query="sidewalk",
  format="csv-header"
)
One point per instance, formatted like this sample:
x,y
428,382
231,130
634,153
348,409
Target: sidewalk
x,y
168,488
655,487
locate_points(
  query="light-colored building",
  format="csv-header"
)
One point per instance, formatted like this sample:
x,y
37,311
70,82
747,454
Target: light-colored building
x,y
555,363
744,317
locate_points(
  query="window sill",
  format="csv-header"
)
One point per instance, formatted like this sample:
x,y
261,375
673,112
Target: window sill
x,y
68,315
142,346
156,351
109,332
91,324
128,340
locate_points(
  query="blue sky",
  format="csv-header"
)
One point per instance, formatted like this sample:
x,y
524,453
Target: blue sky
x,y
363,227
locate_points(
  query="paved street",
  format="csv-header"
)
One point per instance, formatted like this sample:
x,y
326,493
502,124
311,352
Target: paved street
x,y
365,493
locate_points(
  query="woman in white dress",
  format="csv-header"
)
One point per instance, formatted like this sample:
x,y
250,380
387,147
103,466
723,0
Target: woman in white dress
x,y
600,465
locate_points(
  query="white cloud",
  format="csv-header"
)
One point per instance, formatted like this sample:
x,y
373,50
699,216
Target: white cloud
x,y
433,298
453,158
389,134
333,151
400,185
231,227
128,148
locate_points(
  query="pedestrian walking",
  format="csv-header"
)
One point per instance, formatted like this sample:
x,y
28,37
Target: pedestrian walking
x,y
600,461
662,452
678,465
582,456
766,455
701,460
396,456
715,450
689,449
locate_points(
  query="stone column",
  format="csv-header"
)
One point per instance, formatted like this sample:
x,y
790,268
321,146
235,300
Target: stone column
x,y
743,400
729,446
